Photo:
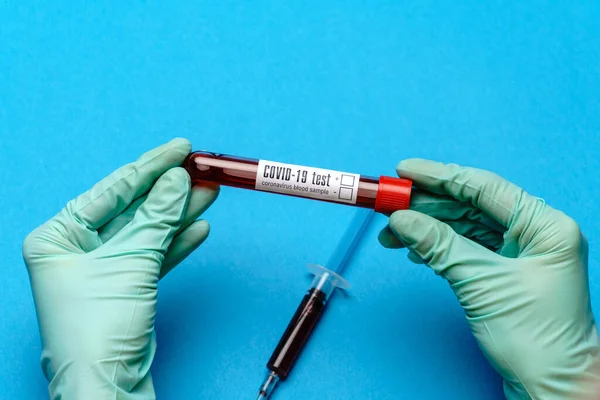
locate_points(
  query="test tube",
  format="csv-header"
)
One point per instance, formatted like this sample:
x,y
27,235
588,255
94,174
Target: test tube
x,y
384,194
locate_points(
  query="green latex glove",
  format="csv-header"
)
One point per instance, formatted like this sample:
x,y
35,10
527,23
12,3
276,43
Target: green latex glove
x,y
94,270
518,268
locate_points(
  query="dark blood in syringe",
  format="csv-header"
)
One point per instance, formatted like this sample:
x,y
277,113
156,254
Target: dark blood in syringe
x,y
297,333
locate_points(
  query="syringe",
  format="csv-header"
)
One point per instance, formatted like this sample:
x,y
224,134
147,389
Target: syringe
x,y
311,308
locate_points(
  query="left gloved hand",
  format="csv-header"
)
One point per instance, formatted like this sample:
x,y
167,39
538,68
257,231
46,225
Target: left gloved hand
x,y
94,270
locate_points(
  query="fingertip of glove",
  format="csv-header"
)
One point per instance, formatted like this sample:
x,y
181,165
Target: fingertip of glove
x,y
408,225
402,217
209,188
411,164
181,143
203,196
388,240
177,174
201,228
174,182
414,167
177,149
384,238
415,258
170,153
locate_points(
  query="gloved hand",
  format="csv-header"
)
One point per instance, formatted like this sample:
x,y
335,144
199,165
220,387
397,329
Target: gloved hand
x,y
518,268
94,270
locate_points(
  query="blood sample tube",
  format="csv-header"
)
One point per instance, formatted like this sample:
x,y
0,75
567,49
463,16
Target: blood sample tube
x,y
384,194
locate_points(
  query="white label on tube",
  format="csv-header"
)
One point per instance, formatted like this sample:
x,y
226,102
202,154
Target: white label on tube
x,y
298,180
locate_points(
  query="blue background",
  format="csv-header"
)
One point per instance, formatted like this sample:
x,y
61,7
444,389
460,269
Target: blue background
x,y
354,86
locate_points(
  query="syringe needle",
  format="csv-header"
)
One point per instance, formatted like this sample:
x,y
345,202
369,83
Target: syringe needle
x,y
268,386
311,308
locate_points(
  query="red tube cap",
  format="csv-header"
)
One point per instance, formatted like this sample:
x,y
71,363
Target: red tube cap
x,y
393,194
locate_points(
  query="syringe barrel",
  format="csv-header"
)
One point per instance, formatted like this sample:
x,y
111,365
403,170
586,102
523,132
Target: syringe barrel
x,y
384,194
297,333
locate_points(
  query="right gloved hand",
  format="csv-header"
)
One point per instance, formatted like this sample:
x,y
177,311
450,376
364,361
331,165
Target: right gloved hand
x,y
519,269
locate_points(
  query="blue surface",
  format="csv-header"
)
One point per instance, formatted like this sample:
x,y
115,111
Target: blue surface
x,y
84,89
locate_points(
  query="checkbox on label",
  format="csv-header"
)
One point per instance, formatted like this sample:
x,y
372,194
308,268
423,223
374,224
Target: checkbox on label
x,y
347,180
346,193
